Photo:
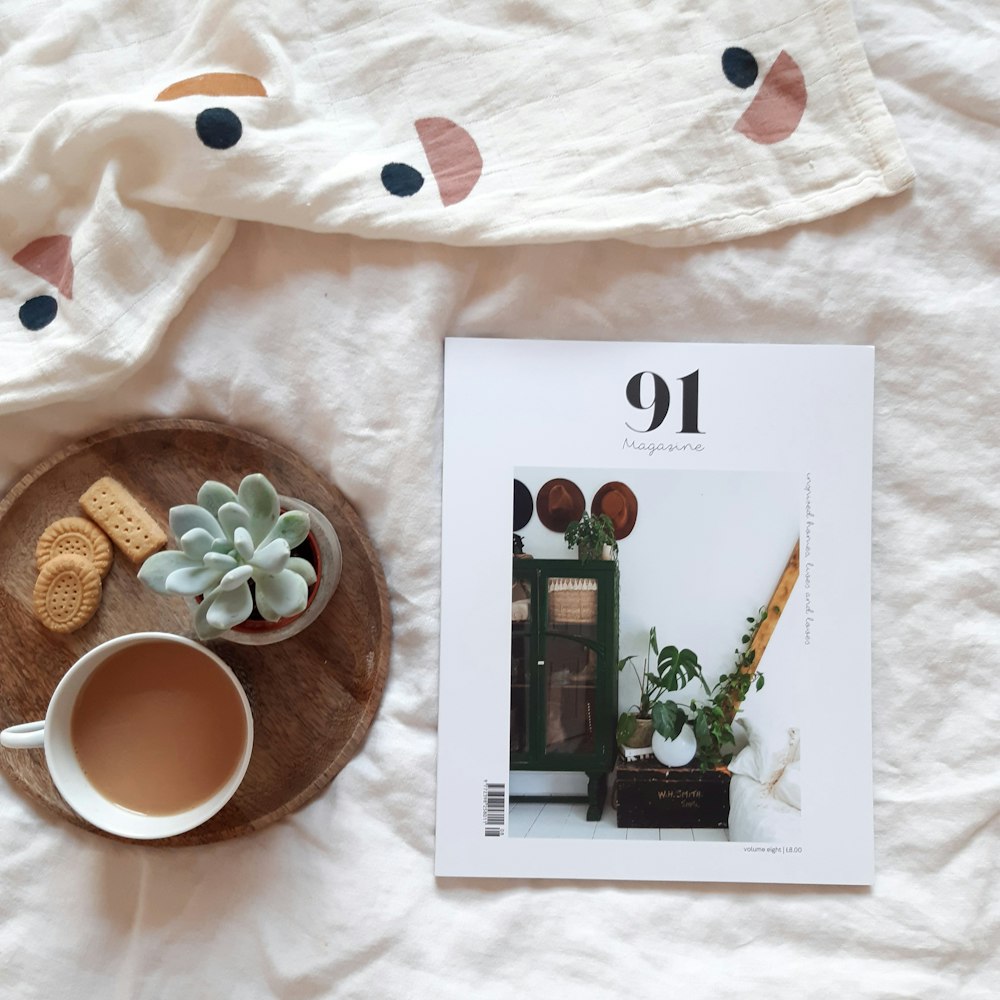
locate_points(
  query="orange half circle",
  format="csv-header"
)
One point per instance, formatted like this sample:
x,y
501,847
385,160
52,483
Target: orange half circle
x,y
214,85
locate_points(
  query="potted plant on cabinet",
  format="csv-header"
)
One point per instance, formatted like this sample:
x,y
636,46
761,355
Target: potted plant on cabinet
x,y
593,536
635,725
703,731
674,668
256,567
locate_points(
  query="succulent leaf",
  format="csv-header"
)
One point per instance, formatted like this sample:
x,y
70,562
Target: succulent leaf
x,y
201,626
196,543
286,593
189,581
221,561
232,516
292,526
272,557
261,501
223,546
235,577
243,542
230,608
264,607
304,568
213,495
189,515
160,565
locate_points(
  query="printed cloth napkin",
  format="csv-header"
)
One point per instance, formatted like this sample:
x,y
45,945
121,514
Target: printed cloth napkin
x,y
133,136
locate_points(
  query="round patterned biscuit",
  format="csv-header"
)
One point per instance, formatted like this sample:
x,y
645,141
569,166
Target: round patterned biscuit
x,y
67,592
75,536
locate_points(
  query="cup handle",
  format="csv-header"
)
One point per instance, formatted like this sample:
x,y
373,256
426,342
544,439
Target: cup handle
x,y
24,737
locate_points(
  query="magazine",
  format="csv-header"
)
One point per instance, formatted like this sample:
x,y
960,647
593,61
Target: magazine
x,y
655,632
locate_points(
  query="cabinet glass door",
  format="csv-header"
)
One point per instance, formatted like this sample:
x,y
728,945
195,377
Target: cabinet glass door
x,y
521,668
570,677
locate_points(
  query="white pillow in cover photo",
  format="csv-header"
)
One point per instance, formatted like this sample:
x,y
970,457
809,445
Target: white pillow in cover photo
x,y
768,752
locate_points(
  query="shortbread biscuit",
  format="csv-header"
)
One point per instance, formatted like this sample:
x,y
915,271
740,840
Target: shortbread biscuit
x,y
67,592
75,536
129,525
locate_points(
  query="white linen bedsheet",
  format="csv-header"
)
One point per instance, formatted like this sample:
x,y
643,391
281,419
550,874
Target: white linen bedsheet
x,y
339,899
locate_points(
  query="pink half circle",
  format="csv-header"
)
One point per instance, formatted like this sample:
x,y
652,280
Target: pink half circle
x,y
774,114
453,155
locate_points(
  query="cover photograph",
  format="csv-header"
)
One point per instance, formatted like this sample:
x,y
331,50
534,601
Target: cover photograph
x,y
655,636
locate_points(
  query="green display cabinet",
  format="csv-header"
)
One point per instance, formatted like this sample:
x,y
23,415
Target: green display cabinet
x,y
564,671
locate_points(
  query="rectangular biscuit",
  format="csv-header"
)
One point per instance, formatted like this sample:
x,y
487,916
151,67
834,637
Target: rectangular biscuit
x,y
127,523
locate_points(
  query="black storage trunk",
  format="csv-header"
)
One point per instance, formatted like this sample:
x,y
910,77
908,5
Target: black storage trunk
x,y
652,796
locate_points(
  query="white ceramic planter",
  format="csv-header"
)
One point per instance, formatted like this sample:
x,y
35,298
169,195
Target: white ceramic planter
x,y
607,554
677,752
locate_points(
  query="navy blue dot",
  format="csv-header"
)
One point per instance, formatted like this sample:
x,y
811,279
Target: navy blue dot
x,y
401,179
38,312
218,128
740,67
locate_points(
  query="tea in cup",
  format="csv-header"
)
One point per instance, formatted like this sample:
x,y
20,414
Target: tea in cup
x,y
146,736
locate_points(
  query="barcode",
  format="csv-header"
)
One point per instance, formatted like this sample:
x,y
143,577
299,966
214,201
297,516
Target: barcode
x,y
494,796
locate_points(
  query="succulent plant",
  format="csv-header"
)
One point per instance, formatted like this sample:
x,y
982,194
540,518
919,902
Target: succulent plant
x,y
226,540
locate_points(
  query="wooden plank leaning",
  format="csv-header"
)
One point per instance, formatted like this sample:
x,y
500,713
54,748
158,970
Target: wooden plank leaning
x,y
775,608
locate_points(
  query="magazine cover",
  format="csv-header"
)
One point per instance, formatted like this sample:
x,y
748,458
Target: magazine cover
x,y
655,636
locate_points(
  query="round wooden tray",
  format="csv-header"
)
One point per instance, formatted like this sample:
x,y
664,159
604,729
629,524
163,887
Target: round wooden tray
x,y
313,696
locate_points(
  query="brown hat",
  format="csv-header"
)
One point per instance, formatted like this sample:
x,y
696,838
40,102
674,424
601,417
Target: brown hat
x,y
560,501
619,503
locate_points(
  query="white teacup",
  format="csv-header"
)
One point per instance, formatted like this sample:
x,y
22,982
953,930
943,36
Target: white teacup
x,y
193,705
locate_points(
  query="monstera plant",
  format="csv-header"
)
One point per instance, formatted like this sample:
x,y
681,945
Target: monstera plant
x,y
235,556
664,669
707,723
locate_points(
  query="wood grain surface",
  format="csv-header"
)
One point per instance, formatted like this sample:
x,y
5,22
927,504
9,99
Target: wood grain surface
x,y
775,608
313,696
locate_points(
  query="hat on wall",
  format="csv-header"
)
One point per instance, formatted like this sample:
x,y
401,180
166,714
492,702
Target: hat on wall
x,y
560,501
619,503
524,506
